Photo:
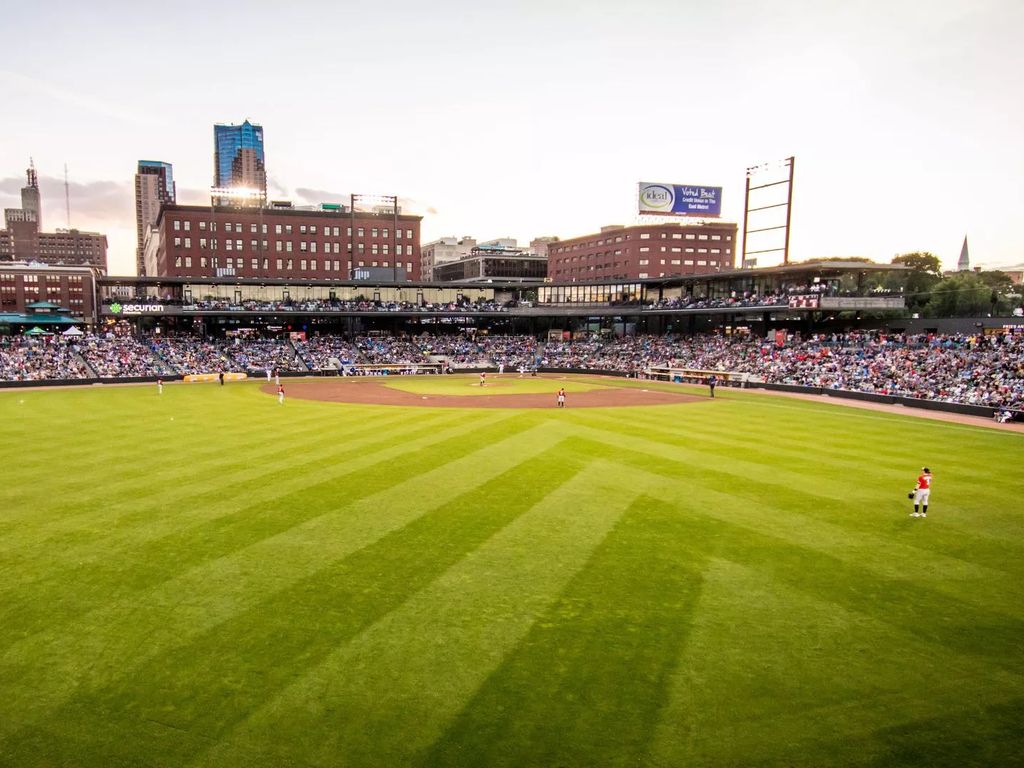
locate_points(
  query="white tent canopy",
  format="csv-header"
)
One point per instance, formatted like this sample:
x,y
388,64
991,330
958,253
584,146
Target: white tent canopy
x,y
72,331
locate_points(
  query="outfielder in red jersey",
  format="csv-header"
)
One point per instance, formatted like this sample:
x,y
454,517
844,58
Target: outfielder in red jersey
x,y
922,491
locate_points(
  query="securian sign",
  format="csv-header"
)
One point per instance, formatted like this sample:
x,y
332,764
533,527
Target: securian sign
x,y
135,309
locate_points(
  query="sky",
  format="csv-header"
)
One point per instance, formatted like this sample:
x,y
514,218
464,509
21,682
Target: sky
x,y
537,118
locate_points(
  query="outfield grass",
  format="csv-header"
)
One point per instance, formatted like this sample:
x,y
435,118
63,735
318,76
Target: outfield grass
x,y
208,578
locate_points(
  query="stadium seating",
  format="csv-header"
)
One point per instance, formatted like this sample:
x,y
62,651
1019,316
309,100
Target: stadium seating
x,y
974,370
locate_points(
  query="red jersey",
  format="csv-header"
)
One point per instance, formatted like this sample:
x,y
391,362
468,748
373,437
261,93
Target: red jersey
x,y
924,482
280,389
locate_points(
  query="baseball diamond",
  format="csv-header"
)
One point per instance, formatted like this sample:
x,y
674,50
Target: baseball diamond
x,y
529,385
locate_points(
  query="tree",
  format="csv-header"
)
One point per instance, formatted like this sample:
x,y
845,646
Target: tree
x,y
963,294
997,280
1004,292
917,284
921,261
862,259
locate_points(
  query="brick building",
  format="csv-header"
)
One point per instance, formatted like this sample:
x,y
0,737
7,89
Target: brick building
x,y
650,250
72,288
443,251
327,243
21,239
494,261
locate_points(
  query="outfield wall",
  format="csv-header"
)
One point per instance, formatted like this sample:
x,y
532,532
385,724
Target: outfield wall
x,y
872,397
847,394
86,382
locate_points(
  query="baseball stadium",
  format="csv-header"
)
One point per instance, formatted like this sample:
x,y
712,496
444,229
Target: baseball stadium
x,y
649,523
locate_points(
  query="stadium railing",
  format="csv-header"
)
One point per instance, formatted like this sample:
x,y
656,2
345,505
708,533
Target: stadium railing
x,y
382,369
696,375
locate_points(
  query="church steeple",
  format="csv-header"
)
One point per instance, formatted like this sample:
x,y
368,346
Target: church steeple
x,y
964,265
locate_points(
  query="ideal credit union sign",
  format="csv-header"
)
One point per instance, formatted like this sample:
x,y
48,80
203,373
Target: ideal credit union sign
x,y
679,200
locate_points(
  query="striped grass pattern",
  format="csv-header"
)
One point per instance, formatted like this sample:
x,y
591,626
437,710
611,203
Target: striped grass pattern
x,y
206,578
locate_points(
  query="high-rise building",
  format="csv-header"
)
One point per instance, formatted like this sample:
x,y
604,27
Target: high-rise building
x,y
30,201
154,186
239,164
22,240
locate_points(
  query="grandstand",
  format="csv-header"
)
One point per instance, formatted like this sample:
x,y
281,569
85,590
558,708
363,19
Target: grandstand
x,y
793,326
970,370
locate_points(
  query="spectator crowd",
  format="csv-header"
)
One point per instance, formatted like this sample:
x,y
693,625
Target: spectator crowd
x,y
971,369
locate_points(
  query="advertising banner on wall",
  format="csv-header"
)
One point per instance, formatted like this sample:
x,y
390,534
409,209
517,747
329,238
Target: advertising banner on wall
x,y
656,199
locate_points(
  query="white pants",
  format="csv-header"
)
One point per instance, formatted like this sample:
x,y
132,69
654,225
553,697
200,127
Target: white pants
x,y
921,496
280,397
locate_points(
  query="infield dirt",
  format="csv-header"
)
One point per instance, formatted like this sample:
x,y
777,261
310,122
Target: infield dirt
x,y
374,391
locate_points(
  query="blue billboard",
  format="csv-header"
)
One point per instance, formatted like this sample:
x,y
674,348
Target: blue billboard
x,y
679,200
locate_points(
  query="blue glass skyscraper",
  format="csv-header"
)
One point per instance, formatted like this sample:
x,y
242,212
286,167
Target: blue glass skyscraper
x,y
238,147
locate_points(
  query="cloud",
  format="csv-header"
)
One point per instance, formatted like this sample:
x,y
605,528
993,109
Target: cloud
x,y
276,189
93,203
98,204
411,205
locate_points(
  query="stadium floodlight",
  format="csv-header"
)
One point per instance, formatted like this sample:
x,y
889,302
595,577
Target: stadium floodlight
x,y
768,176
240,193
375,202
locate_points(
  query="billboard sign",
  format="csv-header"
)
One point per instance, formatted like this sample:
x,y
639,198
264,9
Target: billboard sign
x,y
679,200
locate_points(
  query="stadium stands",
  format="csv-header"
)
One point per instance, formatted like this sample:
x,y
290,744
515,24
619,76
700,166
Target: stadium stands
x,y
24,359
973,370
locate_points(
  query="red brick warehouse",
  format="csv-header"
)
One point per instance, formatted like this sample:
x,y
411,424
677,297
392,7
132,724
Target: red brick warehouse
x,y
228,241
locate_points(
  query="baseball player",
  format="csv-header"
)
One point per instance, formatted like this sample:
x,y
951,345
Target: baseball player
x,y
921,493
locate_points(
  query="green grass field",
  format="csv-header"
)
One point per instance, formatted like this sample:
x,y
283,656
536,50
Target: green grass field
x,y
210,579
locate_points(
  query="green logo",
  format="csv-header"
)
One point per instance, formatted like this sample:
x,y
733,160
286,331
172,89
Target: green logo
x,y
115,308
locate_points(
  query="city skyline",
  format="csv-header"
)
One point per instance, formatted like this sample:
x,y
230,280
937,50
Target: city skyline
x,y
902,129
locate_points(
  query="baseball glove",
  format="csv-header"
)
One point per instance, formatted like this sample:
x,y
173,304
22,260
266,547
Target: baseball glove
x,y
910,495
